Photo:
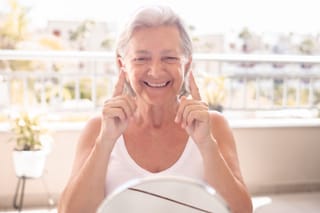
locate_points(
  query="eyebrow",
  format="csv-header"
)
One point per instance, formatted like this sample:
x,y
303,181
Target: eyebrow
x,y
145,52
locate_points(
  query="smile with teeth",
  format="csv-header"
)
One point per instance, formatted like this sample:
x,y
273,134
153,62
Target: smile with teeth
x,y
156,85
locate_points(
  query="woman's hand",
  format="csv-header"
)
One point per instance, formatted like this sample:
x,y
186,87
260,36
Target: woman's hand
x,y
116,112
194,115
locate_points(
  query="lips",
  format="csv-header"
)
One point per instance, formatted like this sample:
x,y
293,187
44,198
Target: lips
x,y
157,85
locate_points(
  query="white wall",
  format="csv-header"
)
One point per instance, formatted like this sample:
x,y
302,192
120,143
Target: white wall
x,y
275,159
271,159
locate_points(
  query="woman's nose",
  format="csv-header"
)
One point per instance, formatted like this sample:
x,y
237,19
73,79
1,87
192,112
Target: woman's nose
x,y
155,67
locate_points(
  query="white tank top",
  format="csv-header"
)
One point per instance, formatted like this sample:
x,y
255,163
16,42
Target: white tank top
x,y
122,168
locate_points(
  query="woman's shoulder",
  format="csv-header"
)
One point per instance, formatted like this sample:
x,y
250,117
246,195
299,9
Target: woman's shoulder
x,y
94,121
218,118
220,124
92,126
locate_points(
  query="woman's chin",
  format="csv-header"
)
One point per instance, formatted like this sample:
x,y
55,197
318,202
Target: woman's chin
x,y
160,100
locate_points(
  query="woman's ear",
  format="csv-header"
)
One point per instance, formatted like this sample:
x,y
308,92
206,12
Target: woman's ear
x,y
185,90
187,66
120,62
121,66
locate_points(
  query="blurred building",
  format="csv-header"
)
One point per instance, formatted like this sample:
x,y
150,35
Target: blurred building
x,y
84,35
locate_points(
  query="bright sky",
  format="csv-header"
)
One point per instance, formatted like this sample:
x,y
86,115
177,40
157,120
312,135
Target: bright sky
x,y
205,15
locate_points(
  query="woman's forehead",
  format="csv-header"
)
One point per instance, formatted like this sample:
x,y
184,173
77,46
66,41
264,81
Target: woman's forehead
x,y
150,52
152,34
165,39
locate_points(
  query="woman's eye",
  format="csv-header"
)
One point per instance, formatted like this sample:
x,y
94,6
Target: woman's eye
x,y
141,60
171,59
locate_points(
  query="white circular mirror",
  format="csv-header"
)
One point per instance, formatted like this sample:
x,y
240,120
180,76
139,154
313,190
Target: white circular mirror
x,y
164,194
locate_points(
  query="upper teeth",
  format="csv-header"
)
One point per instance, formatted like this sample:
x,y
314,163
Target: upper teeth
x,y
157,85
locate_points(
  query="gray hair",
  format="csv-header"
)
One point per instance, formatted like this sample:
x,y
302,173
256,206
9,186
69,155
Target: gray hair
x,y
154,16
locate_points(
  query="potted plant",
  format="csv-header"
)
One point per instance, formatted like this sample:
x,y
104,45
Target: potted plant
x,y
215,92
32,142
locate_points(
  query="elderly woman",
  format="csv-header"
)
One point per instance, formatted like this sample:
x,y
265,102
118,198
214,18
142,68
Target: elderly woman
x,y
150,125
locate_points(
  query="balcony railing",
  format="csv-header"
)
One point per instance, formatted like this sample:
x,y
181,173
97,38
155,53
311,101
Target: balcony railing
x,y
81,81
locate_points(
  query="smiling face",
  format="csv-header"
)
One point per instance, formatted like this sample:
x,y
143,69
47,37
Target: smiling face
x,y
155,64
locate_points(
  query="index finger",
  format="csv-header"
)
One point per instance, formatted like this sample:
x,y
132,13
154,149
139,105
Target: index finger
x,y
118,89
194,90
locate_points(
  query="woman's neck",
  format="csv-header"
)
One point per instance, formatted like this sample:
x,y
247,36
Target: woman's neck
x,y
156,116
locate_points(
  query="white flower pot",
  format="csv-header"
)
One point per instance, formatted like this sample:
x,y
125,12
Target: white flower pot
x,y
29,163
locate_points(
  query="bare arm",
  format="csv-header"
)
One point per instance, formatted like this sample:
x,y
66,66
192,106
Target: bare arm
x,y
221,165
215,140
86,187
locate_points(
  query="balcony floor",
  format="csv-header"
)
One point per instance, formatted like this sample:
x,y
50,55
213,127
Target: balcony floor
x,y
293,203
